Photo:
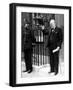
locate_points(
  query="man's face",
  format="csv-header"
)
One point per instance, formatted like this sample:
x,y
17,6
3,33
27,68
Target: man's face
x,y
52,24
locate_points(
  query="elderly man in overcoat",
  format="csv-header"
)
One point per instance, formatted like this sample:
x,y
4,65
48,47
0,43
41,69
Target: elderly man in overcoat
x,y
55,38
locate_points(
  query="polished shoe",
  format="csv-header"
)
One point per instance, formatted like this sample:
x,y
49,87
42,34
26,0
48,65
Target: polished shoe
x,y
56,73
29,71
51,72
25,71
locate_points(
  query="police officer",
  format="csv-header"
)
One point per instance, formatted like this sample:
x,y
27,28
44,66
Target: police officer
x,y
28,39
54,42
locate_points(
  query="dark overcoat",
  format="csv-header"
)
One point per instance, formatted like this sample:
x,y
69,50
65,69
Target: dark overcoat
x,y
55,38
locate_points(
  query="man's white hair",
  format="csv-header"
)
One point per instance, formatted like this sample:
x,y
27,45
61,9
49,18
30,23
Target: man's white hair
x,y
52,21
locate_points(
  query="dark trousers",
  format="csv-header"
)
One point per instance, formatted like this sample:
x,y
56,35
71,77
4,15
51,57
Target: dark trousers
x,y
28,58
54,61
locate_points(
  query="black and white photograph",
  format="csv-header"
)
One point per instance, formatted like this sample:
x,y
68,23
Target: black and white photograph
x,y
41,44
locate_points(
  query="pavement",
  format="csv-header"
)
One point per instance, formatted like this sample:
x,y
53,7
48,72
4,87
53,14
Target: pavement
x,y
41,71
